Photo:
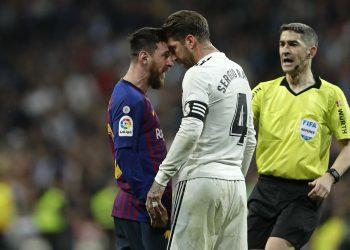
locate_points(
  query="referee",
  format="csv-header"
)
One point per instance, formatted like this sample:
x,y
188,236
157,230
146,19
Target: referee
x,y
296,116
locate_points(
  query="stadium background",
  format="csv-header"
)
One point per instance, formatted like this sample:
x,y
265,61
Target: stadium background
x,y
59,60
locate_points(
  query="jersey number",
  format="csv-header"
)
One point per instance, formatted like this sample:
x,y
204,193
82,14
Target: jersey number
x,y
239,122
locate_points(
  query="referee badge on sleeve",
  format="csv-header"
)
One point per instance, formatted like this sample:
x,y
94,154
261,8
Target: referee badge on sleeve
x,y
308,129
126,126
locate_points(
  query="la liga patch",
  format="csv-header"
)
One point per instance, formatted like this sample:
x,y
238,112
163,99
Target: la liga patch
x,y
308,129
126,126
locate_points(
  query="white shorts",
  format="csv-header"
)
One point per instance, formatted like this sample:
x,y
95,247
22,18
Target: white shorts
x,y
209,214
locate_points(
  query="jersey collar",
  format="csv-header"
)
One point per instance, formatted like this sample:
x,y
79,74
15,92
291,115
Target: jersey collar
x,y
208,57
317,85
132,85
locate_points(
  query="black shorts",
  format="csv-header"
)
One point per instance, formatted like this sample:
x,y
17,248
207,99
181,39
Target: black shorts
x,y
138,236
281,208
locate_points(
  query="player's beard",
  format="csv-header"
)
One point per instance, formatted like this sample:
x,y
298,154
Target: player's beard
x,y
188,61
156,79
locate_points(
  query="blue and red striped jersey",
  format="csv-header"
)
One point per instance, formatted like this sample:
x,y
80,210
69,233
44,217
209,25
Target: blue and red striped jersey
x,y
138,149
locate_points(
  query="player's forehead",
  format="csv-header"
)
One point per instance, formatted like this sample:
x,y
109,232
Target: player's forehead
x,y
162,48
172,42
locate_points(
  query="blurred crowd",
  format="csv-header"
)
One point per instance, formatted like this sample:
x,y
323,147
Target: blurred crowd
x,y
59,61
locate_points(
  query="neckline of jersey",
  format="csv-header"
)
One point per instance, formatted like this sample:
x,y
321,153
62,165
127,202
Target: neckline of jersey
x,y
208,57
132,85
317,85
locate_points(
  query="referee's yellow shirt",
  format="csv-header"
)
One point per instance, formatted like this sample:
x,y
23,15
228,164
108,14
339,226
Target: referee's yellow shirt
x,y
295,130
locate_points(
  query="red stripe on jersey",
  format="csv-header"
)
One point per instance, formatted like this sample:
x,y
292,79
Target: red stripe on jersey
x,y
114,212
149,139
123,185
136,212
109,115
129,206
123,198
157,145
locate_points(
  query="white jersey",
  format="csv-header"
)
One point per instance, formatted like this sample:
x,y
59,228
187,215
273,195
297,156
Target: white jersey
x,y
217,123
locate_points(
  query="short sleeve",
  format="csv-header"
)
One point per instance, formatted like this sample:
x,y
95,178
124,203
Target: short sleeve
x,y
339,115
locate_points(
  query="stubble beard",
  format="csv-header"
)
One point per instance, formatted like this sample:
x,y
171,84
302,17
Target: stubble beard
x,y
188,60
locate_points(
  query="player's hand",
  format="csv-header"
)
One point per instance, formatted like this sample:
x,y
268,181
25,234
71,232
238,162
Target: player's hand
x,y
321,187
160,218
154,206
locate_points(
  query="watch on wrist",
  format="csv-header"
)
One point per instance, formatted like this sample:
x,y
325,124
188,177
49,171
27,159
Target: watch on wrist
x,y
333,172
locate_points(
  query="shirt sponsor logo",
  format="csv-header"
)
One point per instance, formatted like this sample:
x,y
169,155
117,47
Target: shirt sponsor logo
x,y
125,126
159,133
344,129
308,129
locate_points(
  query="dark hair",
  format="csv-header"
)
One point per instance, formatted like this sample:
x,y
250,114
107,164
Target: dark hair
x,y
181,23
145,39
308,34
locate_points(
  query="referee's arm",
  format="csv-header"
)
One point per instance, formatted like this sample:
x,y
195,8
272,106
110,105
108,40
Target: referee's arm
x,y
322,185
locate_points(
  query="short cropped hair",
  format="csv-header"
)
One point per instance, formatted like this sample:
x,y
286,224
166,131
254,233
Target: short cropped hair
x,y
184,22
308,34
145,39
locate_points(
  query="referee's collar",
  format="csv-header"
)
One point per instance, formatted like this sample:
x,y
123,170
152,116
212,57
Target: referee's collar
x,y
317,85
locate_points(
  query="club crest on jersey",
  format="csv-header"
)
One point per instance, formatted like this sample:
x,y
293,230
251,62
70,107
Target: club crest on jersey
x,y
187,109
308,129
125,126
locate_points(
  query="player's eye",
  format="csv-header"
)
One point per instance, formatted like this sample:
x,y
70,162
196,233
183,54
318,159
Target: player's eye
x,y
172,49
166,54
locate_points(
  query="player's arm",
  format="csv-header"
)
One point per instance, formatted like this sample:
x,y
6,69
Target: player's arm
x,y
195,94
253,120
182,146
126,127
195,108
250,146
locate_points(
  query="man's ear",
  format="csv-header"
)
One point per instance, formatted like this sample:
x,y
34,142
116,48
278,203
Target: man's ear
x,y
143,57
190,41
313,51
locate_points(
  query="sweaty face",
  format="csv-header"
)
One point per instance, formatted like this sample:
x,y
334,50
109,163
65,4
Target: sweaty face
x,y
293,52
161,62
181,53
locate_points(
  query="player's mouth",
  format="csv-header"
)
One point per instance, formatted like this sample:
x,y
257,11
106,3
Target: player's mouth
x,y
165,70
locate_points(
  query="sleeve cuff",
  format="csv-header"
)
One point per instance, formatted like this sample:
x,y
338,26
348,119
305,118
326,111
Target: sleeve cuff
x,y
162,179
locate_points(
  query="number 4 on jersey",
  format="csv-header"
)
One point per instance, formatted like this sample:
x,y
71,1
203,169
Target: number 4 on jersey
x,y
239,122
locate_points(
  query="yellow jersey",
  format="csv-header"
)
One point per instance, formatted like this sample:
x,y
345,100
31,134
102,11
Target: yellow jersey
x,y
295,130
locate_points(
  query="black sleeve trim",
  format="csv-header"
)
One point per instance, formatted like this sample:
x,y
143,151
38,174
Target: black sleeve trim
x,y
196,109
